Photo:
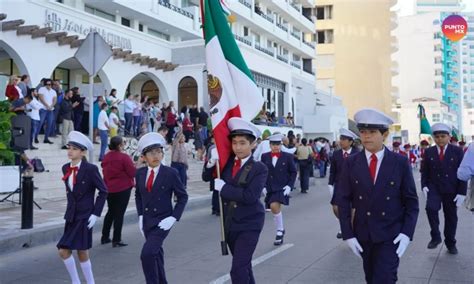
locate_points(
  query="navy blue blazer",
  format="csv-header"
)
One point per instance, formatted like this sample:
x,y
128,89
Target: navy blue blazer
x,y
282,174
249,213
337,160
383,210
80,201
442,176
157,204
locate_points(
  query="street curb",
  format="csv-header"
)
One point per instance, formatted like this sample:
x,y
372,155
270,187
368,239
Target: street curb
x,y
52,233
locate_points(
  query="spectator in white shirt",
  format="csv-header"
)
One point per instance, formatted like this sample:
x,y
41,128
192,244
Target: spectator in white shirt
x,y
47,97
114,121
103,125
33,112
129,106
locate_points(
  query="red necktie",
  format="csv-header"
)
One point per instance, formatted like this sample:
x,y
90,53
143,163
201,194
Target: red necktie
x,y
149,182
276,155
441,153
236,167
345,155
373,166
73,171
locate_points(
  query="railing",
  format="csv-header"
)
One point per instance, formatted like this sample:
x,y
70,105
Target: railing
x,y
268,18
282,58
295,7
244,40
309,44
282,27
296,35
177,9
264,50
246,4
296,64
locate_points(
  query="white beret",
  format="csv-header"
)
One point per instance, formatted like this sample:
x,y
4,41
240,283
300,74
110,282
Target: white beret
x,y
239,125
77,139
372,118
149,141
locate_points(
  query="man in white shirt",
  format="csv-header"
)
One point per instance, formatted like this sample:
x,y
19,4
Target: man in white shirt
x,y
103,125
33,112
47,97
129,106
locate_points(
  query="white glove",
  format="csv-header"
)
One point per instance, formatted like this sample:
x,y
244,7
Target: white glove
x,y
287,190
354,246
140,224
213,159
425,191
91,221
264,191
404,241
218,184
459,199
167,223
331,189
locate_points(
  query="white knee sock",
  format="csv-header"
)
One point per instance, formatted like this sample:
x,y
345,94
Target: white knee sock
x,y
278,219
71,268
87,271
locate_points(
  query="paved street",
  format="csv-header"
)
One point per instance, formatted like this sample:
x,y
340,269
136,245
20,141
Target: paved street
x,y
311,253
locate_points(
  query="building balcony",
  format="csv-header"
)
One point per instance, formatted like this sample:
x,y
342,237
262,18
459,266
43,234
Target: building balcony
x,y
282,27
296,64
246,4
296,35
176,9
243,40
264,50
293,13
282,58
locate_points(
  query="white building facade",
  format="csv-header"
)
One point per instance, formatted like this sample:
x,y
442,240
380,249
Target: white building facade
x,y
158,48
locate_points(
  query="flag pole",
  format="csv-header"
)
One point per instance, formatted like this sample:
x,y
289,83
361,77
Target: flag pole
x,y
221,215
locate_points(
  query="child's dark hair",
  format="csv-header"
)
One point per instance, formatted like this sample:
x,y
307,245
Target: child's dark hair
x,y
115,143
103,105
163,128
249,137
113,108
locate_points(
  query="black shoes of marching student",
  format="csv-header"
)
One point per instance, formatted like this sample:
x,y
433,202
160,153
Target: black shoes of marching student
x,y
453,250
215,212
47,142
33,148
105,241
339,235
119,244
279,238
36,141
304,191
433,244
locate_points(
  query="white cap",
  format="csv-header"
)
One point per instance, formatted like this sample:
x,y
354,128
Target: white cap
x,y
150,141
276,137
440,127
77,139
372,118
347,133
239,125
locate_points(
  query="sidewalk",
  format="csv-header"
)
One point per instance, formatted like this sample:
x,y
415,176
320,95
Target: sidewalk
x,y
48,223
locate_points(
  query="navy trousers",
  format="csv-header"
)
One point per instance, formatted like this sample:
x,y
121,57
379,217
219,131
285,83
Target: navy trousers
x,y
242,246
433,205
305,167
380,262
152,256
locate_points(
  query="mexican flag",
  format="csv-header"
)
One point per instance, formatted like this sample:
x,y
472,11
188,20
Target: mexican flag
x,y
232,89
425,127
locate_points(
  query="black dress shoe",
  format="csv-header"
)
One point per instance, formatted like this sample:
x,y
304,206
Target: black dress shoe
x,y
453,250
105,241
304,191
33,148
119,244
36,141
433,244
279,238
48,142
339,235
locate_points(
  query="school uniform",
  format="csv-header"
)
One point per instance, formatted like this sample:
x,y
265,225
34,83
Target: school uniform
x,y
337,161
154,192
381,189
281,173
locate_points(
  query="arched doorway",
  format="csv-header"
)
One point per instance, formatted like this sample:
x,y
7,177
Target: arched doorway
x,y
151,90
10,64
187,92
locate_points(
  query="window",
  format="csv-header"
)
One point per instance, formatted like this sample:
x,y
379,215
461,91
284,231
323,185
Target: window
x,y
100,13
140,27
436,117
62,75
325,36
125,22
158,34
246,31
324,12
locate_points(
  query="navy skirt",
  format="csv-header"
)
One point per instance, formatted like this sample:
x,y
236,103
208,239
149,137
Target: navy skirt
x,y
76,236
277,196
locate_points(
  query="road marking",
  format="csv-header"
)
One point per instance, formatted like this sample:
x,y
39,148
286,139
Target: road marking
x,y
255,262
